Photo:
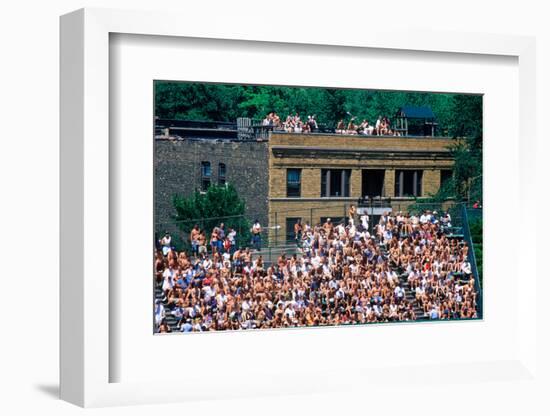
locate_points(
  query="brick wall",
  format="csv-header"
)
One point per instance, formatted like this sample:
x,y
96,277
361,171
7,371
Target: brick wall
x,y
178,171
344,141
389,183
311,153
431,179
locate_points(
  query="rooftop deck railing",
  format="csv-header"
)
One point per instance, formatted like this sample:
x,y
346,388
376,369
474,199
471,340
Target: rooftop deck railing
x,y
247,129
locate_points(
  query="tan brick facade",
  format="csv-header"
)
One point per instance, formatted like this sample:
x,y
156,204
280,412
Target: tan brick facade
x,y
355,183
389,143
389,183
431,181
312,153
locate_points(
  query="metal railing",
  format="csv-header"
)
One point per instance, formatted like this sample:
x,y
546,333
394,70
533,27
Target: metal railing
x,y
278,226
471,253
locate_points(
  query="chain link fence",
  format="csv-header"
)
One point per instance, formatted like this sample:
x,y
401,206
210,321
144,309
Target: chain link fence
x,y
277,229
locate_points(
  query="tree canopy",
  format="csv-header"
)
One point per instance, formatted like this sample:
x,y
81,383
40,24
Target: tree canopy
x,y
457,114
208,209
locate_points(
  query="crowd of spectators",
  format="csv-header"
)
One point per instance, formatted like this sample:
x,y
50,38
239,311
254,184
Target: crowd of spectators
x,y
382,127
344,275
292,124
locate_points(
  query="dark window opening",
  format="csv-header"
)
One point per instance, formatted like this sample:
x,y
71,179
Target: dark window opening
x,y
408,183
372,183
206,175
335,182
446,175
293,182
221,174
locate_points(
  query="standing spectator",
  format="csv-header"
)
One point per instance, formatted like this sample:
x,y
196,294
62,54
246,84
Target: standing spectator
x,y
215,240
232,237
257,235
202,242
351,212
312,123
298,231
221,237
165,243
194,237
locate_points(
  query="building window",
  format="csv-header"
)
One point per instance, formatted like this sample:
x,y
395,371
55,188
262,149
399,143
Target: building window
x,y
408,183
335,182
206,175
293,182
221,174
372,184
446,174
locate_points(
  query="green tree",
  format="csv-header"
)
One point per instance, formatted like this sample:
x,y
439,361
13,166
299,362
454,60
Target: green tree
x,y
208,209
476,231
458,115
465,125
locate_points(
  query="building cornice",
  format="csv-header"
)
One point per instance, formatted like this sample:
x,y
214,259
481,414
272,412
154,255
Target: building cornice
x,y
359,153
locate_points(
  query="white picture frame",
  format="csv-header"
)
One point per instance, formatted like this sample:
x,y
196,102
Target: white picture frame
x,y
85,353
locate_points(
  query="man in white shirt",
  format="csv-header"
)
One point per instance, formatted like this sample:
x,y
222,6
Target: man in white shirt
x,y
365,221
256,235
466,268
399,292
424,218
165,242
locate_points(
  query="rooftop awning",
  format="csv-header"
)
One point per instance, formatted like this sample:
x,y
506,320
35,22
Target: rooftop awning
x,y
410,111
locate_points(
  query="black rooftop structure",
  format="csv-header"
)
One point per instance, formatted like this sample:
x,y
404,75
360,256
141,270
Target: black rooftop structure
x,y
416,121
416,112
241,129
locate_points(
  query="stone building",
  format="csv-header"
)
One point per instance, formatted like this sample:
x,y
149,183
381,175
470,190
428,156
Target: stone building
x,y
293,176
316,176
184,165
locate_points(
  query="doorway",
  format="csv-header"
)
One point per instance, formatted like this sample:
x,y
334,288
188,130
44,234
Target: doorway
x,y
372,184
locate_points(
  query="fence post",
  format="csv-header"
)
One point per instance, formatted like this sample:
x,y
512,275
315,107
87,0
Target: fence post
x,y
345,214
276,229
371,217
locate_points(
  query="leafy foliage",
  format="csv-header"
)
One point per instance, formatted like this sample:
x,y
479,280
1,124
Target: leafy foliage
x,y
226,102
218,204
476,231
467,150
